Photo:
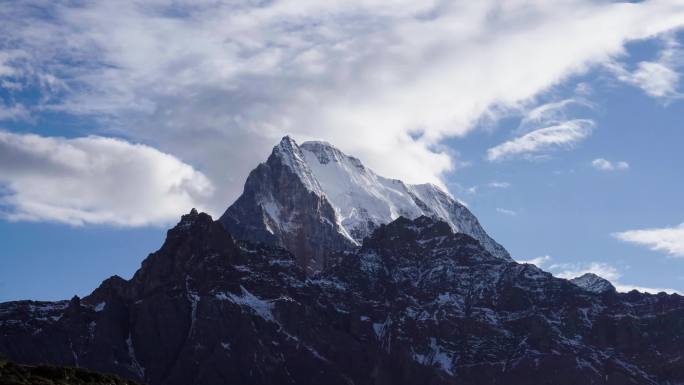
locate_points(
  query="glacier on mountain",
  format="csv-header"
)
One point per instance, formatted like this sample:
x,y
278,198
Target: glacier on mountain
x,y
363,200
315,201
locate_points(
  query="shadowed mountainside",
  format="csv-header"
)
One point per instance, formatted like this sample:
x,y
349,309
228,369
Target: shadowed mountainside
x,y
416,303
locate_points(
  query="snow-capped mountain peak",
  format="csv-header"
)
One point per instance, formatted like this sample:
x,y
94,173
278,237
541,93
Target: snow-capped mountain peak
x,y
289,153
312,197
364,200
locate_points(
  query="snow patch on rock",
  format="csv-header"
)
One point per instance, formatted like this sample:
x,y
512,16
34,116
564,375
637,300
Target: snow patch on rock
x,y
364,200
262,308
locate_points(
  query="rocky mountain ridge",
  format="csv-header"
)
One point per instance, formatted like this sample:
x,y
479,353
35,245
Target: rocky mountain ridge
x,y
415,303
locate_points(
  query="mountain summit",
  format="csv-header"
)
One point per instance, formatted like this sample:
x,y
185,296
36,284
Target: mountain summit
x,y
317,186
283,204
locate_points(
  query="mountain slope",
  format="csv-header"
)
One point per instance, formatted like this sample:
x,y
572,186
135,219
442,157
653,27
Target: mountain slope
x,y
315,200
416,303
364,200
284,205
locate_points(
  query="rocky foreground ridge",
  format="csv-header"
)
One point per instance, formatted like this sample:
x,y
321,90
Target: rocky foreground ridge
x,y
414,303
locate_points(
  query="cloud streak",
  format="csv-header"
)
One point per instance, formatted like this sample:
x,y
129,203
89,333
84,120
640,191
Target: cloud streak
x,y
543,140
499,185
539,261
667,239
508,212
606,165
659,78
94,180
551,113
603,270
13,112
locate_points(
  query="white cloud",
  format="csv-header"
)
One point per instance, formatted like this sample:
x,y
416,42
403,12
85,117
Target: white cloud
x,y
13,112
606,165
668,239
94,180
562,135
658,78
218,83
569,271
474,189
539,261
653,290
7,68
506,211
502,185
603,270
584,89
551,113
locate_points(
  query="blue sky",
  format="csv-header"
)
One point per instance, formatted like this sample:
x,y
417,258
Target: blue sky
x,y
567,209
559,125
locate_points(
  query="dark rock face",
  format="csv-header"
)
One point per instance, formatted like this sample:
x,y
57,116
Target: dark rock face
x,y
13,374
283,205
415,303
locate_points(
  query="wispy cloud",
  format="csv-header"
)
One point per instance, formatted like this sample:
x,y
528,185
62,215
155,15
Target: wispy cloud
x,y
658,78
583,89
506,211
606,165
551,113
569,271
501,185
545,128
472,190
94,180
14,112
653,290
666,239
563,135
539,261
